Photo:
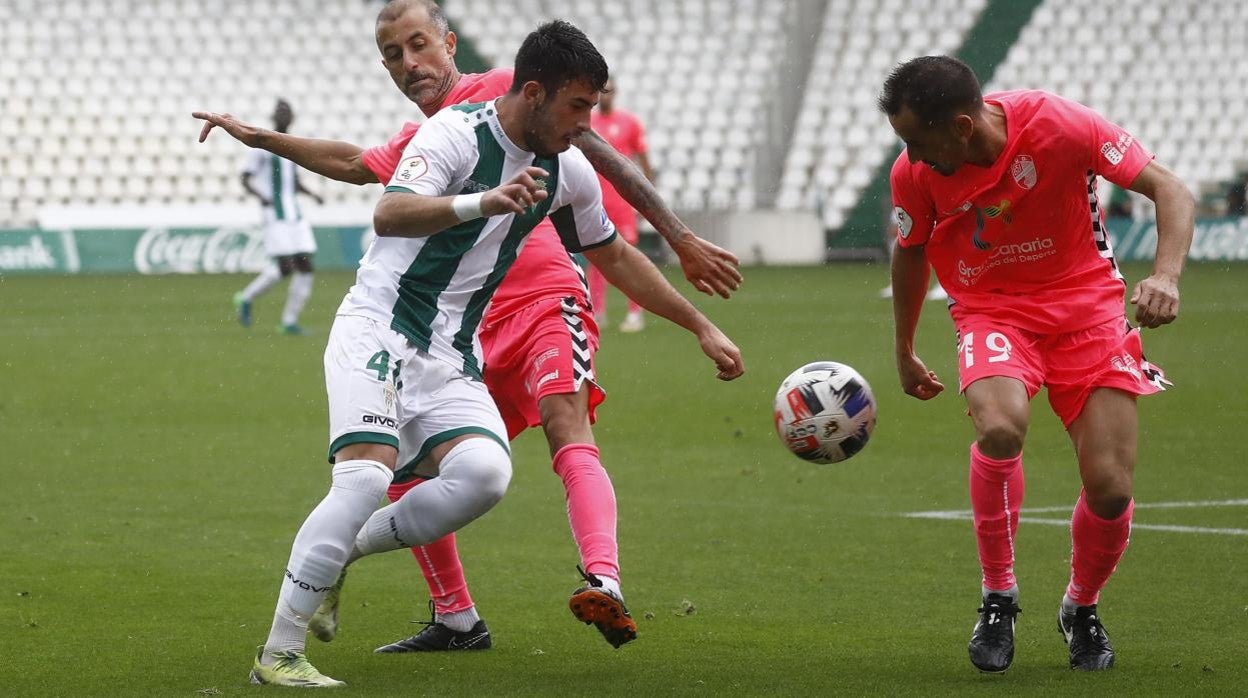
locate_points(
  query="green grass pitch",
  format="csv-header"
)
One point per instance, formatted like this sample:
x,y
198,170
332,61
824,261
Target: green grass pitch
x,y
157,460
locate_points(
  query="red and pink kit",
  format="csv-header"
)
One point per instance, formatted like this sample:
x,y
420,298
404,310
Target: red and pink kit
x,y
1021,247
626,134
538,336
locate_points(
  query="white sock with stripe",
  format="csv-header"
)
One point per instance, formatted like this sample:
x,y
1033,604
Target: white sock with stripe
x,y
471,479
320,550
296,296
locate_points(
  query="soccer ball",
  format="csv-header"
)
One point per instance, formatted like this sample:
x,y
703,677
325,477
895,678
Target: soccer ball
x,y
825,412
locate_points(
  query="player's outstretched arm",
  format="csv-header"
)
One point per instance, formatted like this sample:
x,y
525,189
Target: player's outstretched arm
x,y
909,274
337,160
634,274
410,215
710,268
1156,298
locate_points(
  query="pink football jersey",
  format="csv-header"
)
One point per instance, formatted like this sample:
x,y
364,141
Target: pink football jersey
x,y
1024,239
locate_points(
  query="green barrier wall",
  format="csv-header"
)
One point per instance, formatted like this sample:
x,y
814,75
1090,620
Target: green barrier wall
x,y
230,250
224,250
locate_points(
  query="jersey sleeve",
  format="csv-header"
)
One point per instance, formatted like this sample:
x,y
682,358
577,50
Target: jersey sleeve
x,y
913,211
639,136
438,156
1114,154
577,213
255,162
383,160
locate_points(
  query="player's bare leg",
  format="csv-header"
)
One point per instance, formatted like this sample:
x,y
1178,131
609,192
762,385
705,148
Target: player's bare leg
x,y
1104,436
1000,411
591,513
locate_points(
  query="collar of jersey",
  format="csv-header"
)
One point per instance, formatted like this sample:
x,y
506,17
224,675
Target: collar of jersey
x,y
491,111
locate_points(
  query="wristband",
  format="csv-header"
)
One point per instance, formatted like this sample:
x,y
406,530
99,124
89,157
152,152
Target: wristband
x,y
467,207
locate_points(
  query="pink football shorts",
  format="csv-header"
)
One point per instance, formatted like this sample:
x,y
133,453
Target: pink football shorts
x,y
545,349
1071,365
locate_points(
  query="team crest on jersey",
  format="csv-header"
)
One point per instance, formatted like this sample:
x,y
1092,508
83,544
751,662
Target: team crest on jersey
x,y
412,169
1024,171
904,222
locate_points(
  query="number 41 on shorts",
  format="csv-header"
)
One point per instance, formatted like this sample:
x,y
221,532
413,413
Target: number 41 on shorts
x,y
380,362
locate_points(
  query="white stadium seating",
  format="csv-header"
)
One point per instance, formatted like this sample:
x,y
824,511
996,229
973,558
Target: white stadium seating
x,y
95,96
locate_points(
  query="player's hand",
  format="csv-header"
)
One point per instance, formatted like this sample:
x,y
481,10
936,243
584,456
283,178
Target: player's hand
x,y
1156,300
245,133
710,268
516,194
727,357
916,380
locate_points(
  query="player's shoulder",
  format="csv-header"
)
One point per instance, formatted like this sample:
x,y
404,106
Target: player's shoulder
x,y
1038,105
399,140
461,118
574,158
574,168
904,171
476,87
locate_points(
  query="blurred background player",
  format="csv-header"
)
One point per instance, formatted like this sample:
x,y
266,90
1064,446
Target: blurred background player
x,y
288,239
625,132
998,195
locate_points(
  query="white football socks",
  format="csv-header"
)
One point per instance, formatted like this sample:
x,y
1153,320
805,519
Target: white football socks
x,y
269,276
612,585
459,621
471,479
1012,592
320,549
296,296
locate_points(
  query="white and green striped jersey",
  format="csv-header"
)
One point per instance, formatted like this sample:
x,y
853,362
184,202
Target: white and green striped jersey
x,y
435,290
274,178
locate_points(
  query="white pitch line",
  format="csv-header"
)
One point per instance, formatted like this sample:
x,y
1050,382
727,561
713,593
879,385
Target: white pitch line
x,y
963,515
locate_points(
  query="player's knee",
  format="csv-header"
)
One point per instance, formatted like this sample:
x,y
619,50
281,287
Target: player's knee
x,y
1108,492
565,420
364,476
303,263
1108,505
285,265
1001,440
483,467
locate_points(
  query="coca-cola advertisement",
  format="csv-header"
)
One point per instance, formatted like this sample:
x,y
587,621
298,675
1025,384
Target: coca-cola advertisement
x,y
223,250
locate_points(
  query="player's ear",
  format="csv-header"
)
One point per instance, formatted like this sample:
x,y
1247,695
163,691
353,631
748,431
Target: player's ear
x,y
964,126
533,92
451,42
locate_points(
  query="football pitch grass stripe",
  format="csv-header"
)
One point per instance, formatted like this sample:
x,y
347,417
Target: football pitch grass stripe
x,y
966,515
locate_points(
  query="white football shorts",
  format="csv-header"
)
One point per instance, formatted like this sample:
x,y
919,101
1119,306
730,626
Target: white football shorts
x,y
383,389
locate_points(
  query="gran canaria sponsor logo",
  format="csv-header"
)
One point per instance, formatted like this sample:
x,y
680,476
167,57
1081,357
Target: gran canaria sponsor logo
x,y
1015,253
224,250
993,211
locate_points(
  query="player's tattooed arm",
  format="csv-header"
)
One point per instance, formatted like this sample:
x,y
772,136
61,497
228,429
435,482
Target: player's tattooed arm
x,y
336,160
710,268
